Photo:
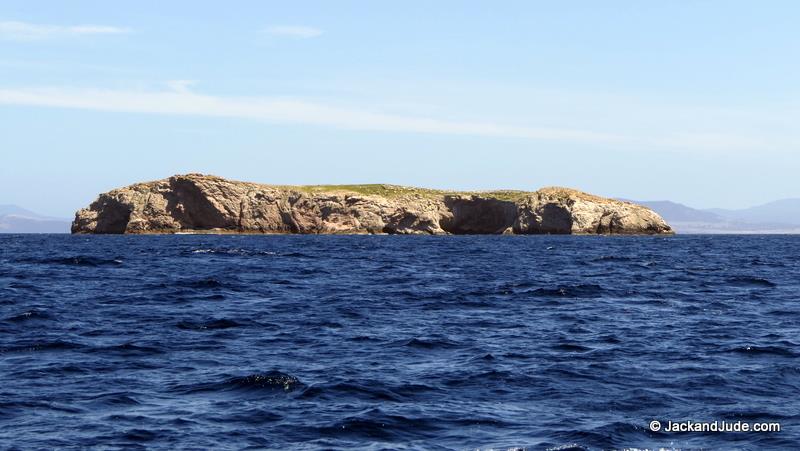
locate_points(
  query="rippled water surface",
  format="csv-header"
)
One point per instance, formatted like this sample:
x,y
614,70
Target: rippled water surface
x,y
387,342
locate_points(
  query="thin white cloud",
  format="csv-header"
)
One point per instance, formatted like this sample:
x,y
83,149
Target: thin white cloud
x,y
293,31
179,100
24,31
181,86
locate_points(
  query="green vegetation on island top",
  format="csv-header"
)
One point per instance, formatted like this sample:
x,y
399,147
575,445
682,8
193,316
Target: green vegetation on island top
x,y
386,190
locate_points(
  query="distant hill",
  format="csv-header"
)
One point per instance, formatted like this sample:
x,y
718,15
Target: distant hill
x,y
15,210
785,211
673,211
14,219
782,216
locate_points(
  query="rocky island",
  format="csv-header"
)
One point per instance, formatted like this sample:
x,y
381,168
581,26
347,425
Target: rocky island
x,y
197,203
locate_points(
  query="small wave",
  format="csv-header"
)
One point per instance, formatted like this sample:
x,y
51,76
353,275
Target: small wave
x,y
65,369
216,324
140,435
368,391
21,285
569,291
569,373
272,381
28,316
282,282
79,260
38,406
232,252
501,379
611,258
568,447
296,255
610,338
56,345
323,324
312,272
374,390
364,338
469,421
349,312
571,347
376,424
255,416
509,288
752,415
602,433
208,282
117,399
130,349
744,281
484,358
435,343
764,350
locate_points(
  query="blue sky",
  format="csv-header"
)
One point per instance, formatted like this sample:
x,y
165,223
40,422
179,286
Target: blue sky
x,y
692,101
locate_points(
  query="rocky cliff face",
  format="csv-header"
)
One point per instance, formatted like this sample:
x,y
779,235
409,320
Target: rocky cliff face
x,y
207,204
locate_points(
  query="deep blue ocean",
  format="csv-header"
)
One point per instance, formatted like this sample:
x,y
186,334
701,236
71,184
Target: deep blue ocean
x,y
397,342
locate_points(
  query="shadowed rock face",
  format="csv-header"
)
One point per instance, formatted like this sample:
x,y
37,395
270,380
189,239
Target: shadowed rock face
x,y
477,215
189,205
117,217
197,203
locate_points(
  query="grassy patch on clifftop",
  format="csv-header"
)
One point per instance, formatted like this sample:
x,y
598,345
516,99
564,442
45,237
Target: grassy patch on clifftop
x,y
395,191
398,191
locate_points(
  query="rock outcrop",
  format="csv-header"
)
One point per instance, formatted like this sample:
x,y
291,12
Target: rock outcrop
x,y
196,203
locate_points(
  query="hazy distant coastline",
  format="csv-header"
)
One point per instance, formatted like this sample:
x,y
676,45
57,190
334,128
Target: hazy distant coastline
x,y
14,219
782,216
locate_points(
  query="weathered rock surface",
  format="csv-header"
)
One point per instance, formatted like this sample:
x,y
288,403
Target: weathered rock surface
x,y
197,203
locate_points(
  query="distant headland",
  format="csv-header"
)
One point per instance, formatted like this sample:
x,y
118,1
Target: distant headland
x,y
197,203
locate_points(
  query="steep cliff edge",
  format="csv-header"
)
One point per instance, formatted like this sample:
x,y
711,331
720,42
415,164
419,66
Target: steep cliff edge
x,y
199,203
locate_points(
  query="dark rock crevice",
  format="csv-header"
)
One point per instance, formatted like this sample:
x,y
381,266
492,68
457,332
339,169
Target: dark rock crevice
x,y
478,215
192,209
115,217
554,220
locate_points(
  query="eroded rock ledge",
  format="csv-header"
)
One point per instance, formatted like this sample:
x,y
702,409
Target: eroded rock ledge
x,y
197,203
